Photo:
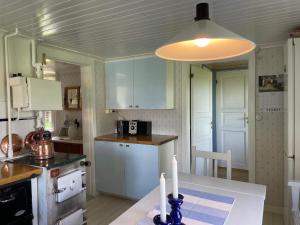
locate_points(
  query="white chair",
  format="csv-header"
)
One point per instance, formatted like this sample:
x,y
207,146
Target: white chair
x,y
214,157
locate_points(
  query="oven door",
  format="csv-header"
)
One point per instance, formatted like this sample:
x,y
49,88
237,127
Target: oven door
x,y
69,185
75,218
15,204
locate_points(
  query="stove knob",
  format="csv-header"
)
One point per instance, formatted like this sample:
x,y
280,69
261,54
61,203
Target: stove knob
x,y
85,163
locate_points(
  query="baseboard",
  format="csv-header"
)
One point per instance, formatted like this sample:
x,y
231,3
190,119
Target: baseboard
x,y
274,209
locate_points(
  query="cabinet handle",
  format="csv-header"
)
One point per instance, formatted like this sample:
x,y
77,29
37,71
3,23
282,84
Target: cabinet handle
x,y
121,145
136,106
127,146
130,106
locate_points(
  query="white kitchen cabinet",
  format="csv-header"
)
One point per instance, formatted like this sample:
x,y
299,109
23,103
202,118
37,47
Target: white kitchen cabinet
x,y
148,84
131,170
119,85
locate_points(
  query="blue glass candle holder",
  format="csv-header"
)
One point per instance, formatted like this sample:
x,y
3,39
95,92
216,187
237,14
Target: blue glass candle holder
x,y
157,221
175,209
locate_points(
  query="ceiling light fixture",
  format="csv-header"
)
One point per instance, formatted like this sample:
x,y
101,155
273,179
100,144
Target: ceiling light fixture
x,y
204,41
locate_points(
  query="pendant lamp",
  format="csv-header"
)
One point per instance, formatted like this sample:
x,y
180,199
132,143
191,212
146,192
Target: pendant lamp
x,y
204,41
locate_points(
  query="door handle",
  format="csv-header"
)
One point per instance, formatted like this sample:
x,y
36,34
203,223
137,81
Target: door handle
x,y
57,191
11,198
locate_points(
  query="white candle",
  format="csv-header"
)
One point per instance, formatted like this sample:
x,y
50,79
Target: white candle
x,y
163,211
175,177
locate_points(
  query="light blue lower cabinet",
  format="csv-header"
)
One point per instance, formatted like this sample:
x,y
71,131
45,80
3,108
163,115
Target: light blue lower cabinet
x,y
141,169
130,170
109,166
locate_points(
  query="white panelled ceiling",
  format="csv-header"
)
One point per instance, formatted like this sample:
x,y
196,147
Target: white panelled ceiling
x,y
116,28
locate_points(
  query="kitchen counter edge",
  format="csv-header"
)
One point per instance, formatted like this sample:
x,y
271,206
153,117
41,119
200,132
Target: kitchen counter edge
x,y
11,173
154,139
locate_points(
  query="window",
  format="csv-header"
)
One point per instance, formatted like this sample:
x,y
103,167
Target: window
x,y
49,120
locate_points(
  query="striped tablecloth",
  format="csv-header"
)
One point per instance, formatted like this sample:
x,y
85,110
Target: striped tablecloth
x,y
199,208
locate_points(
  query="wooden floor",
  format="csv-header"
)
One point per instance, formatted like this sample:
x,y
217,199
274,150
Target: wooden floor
x,y
236,174
103,209
272,219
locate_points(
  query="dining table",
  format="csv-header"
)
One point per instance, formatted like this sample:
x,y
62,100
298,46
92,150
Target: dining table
x,y
243,201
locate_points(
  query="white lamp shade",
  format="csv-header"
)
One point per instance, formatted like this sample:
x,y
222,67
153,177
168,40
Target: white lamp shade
x,y
205,41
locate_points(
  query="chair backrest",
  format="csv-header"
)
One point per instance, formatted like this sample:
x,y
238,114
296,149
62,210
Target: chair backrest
x,y
212,156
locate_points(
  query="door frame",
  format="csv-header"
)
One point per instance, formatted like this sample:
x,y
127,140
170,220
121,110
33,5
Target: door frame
x,y
251,114
87,66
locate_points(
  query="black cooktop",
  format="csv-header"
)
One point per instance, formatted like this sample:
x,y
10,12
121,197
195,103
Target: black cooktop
x,y
59,159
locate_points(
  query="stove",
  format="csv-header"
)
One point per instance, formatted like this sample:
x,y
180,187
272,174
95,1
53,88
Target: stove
x,y
59,159
61,188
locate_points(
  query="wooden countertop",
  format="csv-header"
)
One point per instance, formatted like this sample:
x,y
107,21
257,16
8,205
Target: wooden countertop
x,y
10,172
154,139
67,140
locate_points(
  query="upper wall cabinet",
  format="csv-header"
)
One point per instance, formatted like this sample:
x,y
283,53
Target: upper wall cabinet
x,y
144,83
119,85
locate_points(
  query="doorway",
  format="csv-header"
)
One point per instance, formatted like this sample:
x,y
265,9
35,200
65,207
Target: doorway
x,y
66,125
219,114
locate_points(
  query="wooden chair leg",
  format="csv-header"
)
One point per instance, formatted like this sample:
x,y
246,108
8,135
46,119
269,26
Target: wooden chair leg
x,y
229,164
215,168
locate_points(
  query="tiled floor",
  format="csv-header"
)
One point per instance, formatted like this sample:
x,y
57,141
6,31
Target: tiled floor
x,y
103,209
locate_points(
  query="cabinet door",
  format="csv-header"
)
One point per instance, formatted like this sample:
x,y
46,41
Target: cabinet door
x,y
119,84
109,166
141,169
150,83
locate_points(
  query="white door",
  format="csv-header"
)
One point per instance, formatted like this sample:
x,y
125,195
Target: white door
x,y
201,109
231,113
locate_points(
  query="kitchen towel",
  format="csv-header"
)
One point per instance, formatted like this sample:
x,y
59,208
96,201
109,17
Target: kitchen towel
x,y
198,208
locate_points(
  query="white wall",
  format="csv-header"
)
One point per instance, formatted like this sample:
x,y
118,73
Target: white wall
x,y
105,123
269,132
20,61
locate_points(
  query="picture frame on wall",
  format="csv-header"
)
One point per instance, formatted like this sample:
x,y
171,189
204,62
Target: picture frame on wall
x,y
72,98
271,83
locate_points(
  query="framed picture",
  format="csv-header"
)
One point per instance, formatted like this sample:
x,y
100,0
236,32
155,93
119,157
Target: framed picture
x,y
271,83
72,98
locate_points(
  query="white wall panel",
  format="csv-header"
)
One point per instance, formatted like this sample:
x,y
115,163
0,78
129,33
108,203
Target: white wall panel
x,y
269,133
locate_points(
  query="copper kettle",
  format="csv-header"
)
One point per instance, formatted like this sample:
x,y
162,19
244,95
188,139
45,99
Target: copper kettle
x,y
40,143
43,149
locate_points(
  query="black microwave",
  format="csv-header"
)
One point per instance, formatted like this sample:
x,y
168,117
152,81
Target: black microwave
x,y
134,127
